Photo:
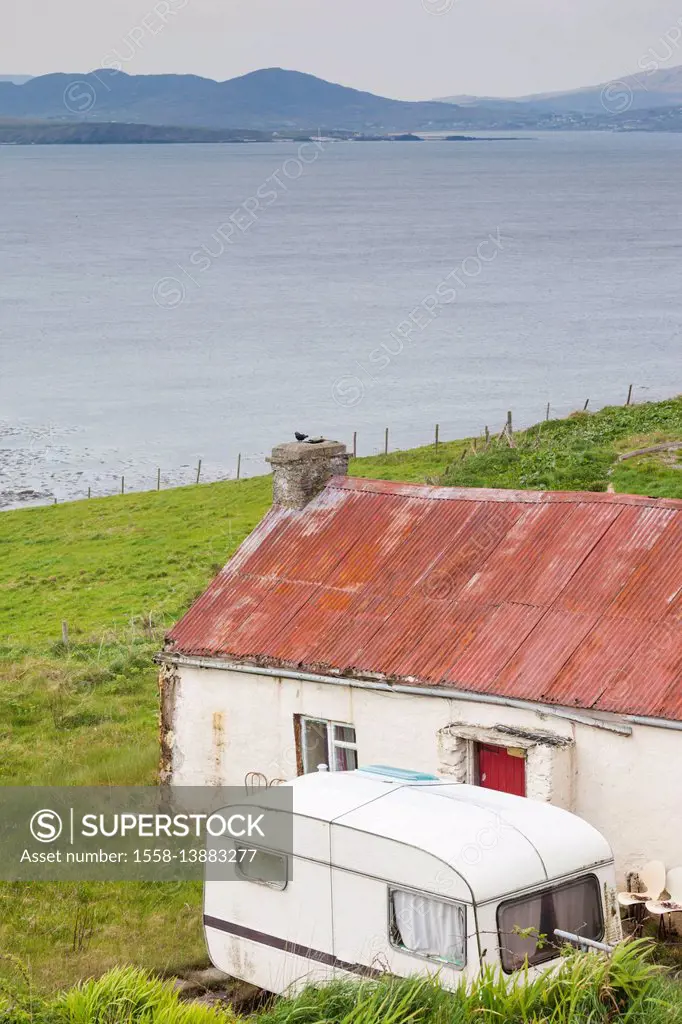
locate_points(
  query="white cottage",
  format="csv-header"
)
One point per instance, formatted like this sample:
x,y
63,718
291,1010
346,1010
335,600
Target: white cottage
x,y
524,642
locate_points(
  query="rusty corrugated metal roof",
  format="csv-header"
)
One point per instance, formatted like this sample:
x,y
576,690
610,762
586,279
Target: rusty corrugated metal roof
x,y
563,598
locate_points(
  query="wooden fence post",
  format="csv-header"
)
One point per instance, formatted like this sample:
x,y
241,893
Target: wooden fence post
x,y
437,431
629,394
158,479
239,465
355,444
123,485
547,416
386,442
199,471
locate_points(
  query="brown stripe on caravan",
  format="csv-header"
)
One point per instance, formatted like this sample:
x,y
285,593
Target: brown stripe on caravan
x,y
288,947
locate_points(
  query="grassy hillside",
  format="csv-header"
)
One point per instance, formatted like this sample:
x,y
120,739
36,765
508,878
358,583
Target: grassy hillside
x,y
580,453
118,571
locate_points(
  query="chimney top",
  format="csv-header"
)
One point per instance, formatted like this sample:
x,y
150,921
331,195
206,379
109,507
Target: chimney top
x,y
301,470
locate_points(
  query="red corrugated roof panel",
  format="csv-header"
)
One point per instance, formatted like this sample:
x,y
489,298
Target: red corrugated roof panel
x,y
562,598
613,562
498,637
597,664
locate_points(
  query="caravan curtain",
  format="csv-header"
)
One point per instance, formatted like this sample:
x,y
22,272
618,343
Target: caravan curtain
x,y
430,927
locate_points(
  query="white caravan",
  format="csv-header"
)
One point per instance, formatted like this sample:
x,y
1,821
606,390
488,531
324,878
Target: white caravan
x,y
401,872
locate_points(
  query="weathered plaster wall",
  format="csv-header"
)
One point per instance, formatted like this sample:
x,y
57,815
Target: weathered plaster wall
x,y
225,724
631,788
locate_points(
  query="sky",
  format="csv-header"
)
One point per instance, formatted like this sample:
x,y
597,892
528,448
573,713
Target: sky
x,y
408,49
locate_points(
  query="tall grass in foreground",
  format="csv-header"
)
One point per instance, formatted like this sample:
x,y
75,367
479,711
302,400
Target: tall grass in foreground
x,y
585,989
125,995
128,996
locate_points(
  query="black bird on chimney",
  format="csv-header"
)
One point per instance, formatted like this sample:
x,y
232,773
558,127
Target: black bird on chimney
x,y
300,437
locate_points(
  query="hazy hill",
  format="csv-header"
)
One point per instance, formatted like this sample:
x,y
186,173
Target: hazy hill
x,y
645,90
62,133
268,100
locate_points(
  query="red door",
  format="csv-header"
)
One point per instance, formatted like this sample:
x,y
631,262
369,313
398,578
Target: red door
x,y
499,769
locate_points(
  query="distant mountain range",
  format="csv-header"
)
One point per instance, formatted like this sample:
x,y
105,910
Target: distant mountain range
x,y
647,90
271,99
275,100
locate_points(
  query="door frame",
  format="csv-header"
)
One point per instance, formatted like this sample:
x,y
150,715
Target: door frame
x,y
475,751
550,757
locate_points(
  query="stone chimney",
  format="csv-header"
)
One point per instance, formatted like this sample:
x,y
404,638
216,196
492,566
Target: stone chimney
x,y
301,469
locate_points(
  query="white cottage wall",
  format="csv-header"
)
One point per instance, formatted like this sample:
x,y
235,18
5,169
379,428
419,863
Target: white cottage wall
x,y
226,723
630,788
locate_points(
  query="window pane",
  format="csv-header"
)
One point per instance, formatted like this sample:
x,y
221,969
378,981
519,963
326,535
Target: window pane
x,y
345,760
575,907
578,909
262,866
514,918
315,748
429,927
344,733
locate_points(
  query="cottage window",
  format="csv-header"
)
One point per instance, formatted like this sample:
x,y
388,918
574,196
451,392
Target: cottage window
x,y
327,743
427,927
526,926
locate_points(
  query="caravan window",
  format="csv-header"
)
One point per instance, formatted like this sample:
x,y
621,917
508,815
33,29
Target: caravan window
x,y
330,743
262,866
526,926
428,927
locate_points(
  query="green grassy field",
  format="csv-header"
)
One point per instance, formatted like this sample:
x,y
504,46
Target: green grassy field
x,y
119,571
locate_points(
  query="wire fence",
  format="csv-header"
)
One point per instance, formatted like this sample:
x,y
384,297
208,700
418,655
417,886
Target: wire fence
x,y
369,442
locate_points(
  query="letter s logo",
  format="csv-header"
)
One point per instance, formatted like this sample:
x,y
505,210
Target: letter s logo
x,y
46,826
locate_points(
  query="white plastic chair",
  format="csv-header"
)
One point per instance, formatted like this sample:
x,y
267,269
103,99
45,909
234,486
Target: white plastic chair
x,y
653,879
673,905
674,884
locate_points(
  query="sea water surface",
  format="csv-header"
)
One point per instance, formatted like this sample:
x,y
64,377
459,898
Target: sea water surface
x,y
390,285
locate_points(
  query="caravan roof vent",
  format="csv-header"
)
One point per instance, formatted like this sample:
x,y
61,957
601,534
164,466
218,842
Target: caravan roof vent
x,y
399,774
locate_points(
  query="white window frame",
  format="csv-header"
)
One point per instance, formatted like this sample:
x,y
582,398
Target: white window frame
x,y
332,743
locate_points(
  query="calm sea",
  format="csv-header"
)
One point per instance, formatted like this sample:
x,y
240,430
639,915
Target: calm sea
x,y
161,304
